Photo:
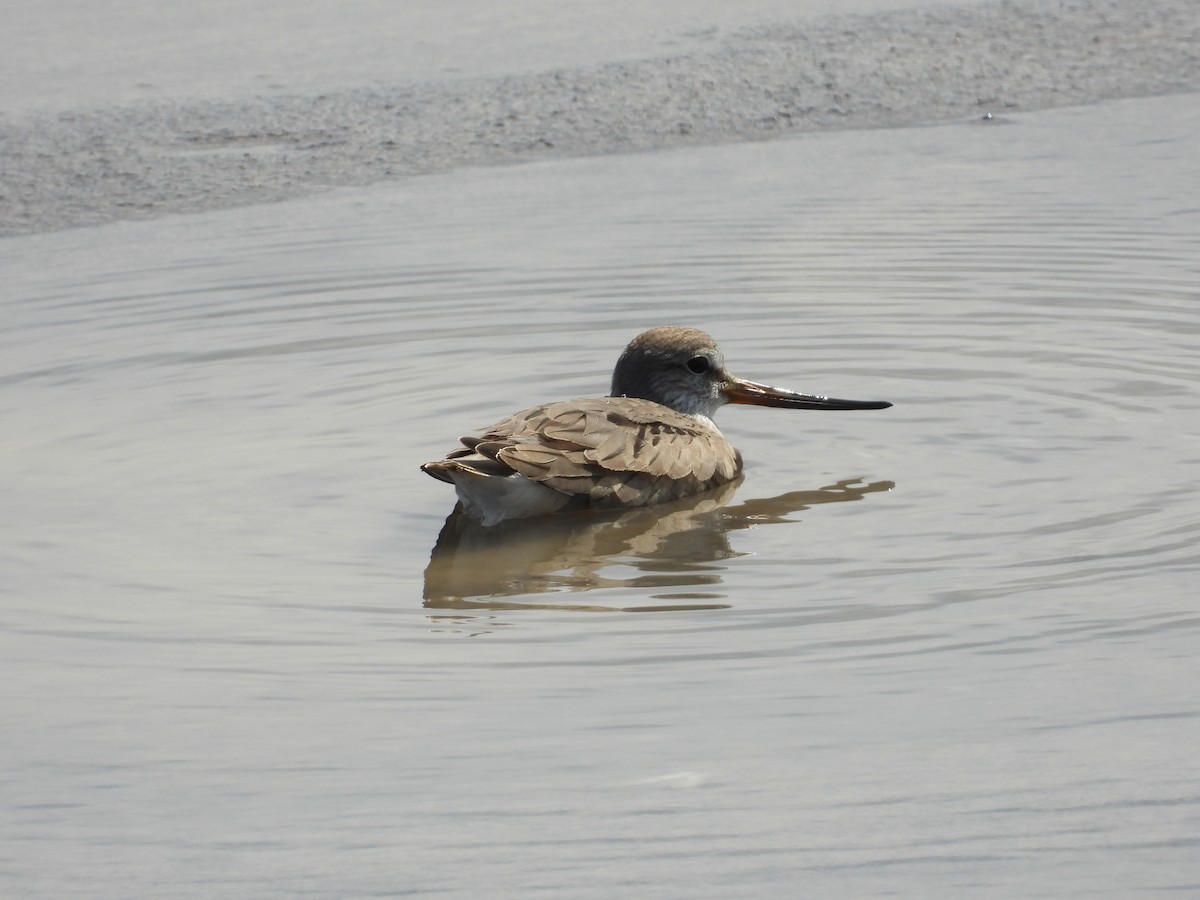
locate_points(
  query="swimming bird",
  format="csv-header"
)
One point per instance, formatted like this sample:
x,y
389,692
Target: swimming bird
x,y
651,440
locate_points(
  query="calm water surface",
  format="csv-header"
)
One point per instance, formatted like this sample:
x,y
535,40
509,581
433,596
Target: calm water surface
x,y
948,649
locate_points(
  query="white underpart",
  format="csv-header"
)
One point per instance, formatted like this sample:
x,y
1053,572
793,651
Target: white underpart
x,y
690,403
493,498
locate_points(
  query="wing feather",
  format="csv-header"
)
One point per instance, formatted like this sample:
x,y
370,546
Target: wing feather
x,y
617,451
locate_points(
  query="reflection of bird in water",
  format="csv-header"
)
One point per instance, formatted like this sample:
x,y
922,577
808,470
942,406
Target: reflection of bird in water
x,y
677,548
651,441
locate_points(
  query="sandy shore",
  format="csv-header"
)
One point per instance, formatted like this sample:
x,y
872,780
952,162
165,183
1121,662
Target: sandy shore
x,y
85,167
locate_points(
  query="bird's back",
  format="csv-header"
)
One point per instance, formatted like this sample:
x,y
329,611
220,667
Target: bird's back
x,y
599,452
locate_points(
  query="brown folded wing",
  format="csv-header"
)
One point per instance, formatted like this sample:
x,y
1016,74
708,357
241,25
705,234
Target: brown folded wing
x,y
616,451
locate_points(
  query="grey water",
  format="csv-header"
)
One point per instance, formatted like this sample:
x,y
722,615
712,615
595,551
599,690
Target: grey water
x,y
946,649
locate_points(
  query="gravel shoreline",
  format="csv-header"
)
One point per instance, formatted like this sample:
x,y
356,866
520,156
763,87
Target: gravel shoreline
x,y
88,167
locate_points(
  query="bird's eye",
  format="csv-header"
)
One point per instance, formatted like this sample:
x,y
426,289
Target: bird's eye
x,y
698,364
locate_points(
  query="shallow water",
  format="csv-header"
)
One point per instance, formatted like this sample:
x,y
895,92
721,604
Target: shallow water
x,y
942,649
